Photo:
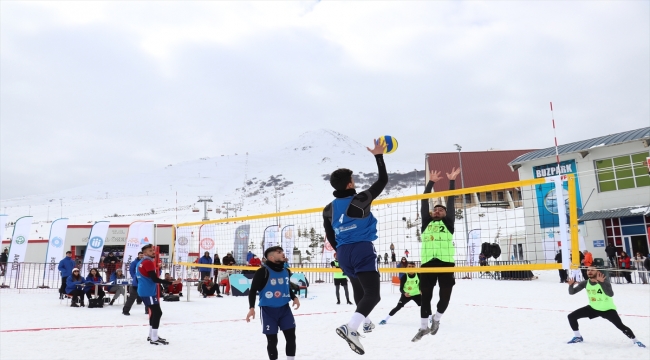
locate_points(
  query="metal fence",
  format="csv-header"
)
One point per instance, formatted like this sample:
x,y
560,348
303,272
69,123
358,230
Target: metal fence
x,y
32,275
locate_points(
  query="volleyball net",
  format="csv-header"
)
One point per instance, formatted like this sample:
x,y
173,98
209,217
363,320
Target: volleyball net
x,y
521,228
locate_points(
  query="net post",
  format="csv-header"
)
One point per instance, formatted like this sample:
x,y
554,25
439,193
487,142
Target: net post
x,y
573,222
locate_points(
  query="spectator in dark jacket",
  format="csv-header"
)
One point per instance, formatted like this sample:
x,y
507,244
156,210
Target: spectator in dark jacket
x,y
646,263
4,257
228,260
110,262
393,257
216,261
402,264
385,258
72,289
624,263
65,267
92,280
563,274
205,259
208,288
610,250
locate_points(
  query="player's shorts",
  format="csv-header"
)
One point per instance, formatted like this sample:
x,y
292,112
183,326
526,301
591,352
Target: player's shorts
x,y
357,257
429,280
341,282
150,300
274,318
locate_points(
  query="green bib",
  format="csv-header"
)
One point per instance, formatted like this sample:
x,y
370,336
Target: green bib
x,y
597,298
412,285
437,242
338,275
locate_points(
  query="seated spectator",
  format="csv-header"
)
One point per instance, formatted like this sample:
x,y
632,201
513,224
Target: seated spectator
x,y
482,260
224,280
174,289
117,289
208,288
228,260
71,288
255,261
92,279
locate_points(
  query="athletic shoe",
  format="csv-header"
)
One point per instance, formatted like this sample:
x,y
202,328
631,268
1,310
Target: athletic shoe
x,y
180,294
576,339
352,337
159,342
111,303
420,334
383,322
368,327
125,313
349,303
219,296
639,344
159,338
434,327
74,305
338,302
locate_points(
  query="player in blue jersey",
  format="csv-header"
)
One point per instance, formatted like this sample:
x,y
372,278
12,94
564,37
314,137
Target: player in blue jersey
x,y
350,228
148,291
272,283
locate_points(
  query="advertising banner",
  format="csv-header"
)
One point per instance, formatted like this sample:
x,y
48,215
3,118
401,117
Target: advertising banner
x,y
271,236
96,241
548,205
474,247
18,246
240,248
288,235
181,251
206,240
55,248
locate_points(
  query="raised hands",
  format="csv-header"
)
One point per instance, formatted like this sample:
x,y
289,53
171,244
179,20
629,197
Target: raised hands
x,y
571,281
454,173
379,149
434,176
600,277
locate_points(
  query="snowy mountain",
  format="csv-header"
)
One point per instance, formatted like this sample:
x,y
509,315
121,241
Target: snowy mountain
x,y
244,184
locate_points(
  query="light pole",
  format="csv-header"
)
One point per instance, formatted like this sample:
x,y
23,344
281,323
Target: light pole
x,y
61,200
462,185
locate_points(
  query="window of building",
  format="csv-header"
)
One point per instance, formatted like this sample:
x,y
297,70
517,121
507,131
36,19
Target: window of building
x,y
623,172
488,196
468,198
499,195
519,195
478,196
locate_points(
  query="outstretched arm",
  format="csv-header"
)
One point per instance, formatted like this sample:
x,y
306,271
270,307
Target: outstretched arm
x,y
424,203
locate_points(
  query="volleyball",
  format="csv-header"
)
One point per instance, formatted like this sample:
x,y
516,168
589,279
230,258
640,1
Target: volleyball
x,y
390,142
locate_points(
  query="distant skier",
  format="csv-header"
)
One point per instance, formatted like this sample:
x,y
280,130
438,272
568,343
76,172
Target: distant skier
x,y
599,293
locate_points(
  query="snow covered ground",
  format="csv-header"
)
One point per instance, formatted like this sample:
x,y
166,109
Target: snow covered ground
x,y
486,319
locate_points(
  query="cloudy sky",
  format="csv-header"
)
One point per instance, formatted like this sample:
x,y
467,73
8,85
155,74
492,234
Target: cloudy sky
x,y
93,89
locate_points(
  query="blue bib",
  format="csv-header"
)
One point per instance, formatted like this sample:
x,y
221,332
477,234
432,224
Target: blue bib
x,y
349,230
146,286
276,291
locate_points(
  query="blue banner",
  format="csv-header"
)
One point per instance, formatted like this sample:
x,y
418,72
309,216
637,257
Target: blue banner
x,y
547,206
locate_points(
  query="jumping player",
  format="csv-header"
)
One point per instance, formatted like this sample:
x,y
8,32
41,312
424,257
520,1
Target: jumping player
x,y
272,283
437,251
350,228
148,291
409,286
601,304
340,279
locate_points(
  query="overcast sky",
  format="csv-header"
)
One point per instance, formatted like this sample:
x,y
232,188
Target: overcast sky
x,y
94,89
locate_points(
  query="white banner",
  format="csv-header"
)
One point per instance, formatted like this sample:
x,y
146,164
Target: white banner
x,y
18,246
271,236
474,247
96,241
328,253
206,240
562,215
140,233
55,248
3,227
181,251
288,236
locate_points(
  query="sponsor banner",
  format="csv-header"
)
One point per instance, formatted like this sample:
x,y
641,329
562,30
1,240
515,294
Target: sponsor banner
x,y
240,248
3,226
139,234
55,248
328,253
240,284
271,236
18,246
288,239
548,203
181,251
95,246
207,242
474,247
